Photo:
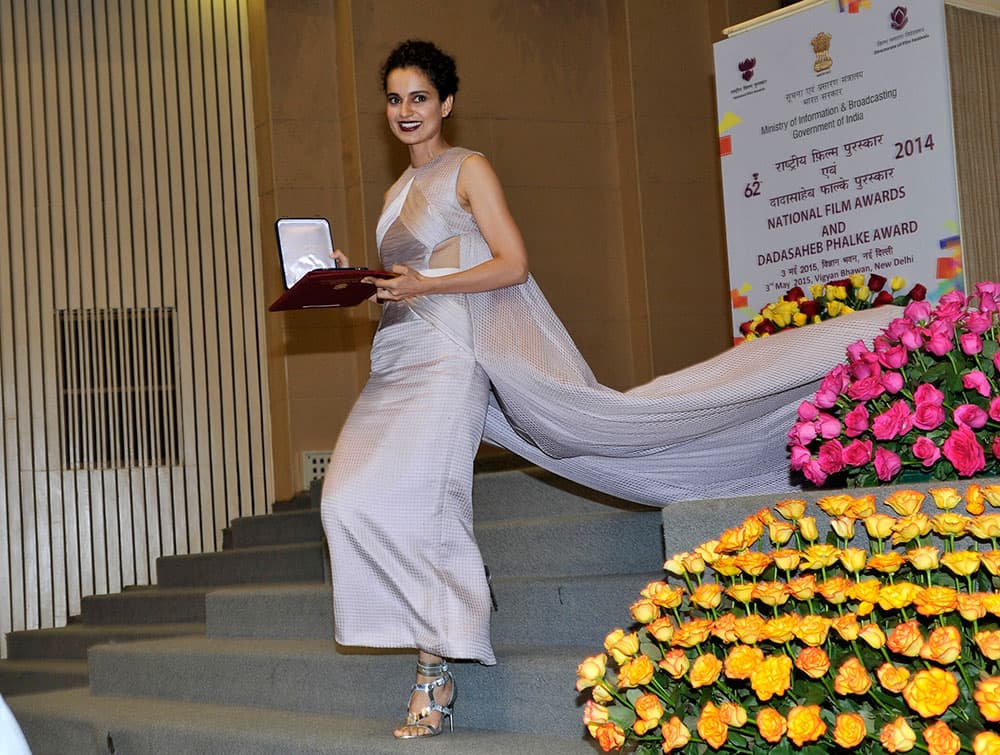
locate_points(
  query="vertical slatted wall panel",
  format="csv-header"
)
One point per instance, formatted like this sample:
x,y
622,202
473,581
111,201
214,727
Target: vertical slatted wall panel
x,y
131,386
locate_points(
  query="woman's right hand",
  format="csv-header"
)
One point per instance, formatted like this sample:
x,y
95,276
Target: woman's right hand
x,y
340,258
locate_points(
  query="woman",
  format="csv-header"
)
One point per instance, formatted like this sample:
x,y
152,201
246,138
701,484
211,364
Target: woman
x,y
468,348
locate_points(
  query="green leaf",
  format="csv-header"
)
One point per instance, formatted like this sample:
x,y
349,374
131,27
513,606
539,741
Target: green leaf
x,y
621,715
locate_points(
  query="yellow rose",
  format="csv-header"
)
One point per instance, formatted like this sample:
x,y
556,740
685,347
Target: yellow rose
x,y
931,691
813,662
772,677
675,565
835,590
753,563
820,556
949,524
733,714
941,740
644,611
852,678
991,560
985,527
893,678
742,592
988,642
731,540
662,629
709,551
936,600
664,595
974,500
857,281
846,626
897,736
898,595
792,509
649,708
786,559
742,660
887,563
992,494
812,629
804,724
771,725
849,731
675,662
752,528
782,628
624,648
726,566
591,671
944,645
705,670
749,629
816,290
802,588
924,558
910,528
986,743
843,526
771,593
862,507
724,628
873,635
808,529
765,515
675,735
971,606
601,695
905,502
613,638
609,736
691,633
707,596
594,713
693,563
879,526
835,505
945,498
837,294
897,282
711,727
780,532
636,672
962,563
906,639
991,602
987,697
866,591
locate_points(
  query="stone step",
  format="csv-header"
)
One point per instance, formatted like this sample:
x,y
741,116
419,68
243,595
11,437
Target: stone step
x,y
21,677
73,641
74,722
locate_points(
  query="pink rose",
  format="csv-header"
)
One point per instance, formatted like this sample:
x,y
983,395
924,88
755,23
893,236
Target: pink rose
x,y
964,452
970,343
887,464
994,410
928,394
800,455
978,382
988,293
857,351
940,341
807,412
969,415
925,450
978,322
893,358
928,416
996,360
996,447
831,457
856,420
893,422
865,389
950,307
814,472
892,382
866,366
857,453
802,433
829,426
917,311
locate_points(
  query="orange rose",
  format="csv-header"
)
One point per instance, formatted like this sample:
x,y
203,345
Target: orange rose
x,y
849,731
991,602
752,528
971,606
897,736
691,633
591,671
601,695
742,592
626,646
644,611
820,556
873,635
705,670
988,643
941,740
636,672
731,541
675,662
974,500
854,559
992,494
609,736
905,502
906,639
707,596
962,563
808,529
792,509
893,678
812,629
753,563
724,628
765,515
852,678
945,498
910,527
780,532
835,590
898,595
835,505
786,559
675,735
813,662
649,709
930,691
804,724
943,646
772,677
887,563
664,595
991,560
711,727
742,660
936,600
924,558
771,725
770,593
949,524
847,627
749,629
987,697
662,629
709,551
985,527
802,588
862,507
693,563
733,714
879,526
675,565
594,713
781,628
986,743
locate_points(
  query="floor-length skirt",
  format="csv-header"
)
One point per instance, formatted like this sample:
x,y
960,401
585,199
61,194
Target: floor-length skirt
x,y
397,500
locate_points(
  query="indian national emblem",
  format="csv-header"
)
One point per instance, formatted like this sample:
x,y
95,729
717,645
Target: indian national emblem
x,y
821,46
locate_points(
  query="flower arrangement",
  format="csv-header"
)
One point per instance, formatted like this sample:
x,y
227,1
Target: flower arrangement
x,y
924,401
832,299
842,643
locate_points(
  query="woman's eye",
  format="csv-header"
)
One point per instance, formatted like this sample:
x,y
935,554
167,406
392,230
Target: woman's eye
x,y
419,98
393,100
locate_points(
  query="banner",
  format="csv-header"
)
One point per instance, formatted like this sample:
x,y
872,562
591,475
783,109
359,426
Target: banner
x,y
837,152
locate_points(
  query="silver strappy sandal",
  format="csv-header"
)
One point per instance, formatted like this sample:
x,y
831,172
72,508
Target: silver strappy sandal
x,y
442,677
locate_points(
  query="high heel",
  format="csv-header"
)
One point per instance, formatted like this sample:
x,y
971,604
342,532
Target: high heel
x,y
417,720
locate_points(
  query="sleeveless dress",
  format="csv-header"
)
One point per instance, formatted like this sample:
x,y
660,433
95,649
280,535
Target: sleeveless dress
x,y
451,370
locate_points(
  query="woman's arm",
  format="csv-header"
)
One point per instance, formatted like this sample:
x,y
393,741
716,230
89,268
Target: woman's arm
x,y
479,191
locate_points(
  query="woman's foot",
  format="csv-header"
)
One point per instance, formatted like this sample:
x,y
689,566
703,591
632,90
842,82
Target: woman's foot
x,y
432,699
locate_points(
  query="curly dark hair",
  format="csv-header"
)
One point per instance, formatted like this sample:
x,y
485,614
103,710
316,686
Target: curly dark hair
x,y
438,66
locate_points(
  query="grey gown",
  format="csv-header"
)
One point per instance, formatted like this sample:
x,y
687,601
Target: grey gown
x,y
450,370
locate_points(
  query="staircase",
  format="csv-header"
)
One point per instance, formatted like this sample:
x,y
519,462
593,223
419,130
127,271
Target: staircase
x,y
257,671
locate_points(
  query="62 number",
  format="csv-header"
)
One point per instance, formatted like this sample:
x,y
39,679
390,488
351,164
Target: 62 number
x,y
915,146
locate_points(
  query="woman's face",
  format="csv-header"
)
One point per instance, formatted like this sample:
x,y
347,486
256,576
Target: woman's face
x,y
413,107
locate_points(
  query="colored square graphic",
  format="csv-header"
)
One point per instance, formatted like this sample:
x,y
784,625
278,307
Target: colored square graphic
x,y
725,145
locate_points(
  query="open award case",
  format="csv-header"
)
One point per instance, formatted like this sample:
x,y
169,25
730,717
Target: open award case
x,y
311,277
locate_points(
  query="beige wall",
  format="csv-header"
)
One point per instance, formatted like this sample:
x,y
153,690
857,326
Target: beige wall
x,y
599,117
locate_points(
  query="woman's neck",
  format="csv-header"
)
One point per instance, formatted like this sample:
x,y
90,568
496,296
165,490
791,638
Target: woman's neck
x,y
421,154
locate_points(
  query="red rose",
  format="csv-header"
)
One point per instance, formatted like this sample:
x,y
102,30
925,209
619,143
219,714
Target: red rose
x,y
882,298
843,283
876,282
745,328
794,294
765,327
918,292
809,307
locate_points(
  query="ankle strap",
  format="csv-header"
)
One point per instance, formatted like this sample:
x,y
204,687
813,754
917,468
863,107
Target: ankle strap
x,y
432,669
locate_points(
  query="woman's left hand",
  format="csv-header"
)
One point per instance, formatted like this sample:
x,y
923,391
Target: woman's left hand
x,y
407,284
